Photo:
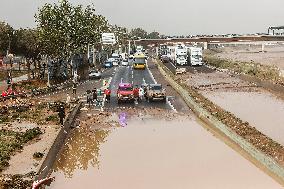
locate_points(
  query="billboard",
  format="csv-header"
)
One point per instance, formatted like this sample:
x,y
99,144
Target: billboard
x,y
108,38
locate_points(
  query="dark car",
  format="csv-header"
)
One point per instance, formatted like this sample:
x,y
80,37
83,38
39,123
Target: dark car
x,y
108,64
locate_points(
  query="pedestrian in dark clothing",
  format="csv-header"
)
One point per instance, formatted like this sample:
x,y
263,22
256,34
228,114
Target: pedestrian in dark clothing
x,y
61,113
95,95
89,97
74,88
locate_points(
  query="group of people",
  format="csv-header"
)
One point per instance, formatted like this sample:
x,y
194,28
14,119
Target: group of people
x,y
98,96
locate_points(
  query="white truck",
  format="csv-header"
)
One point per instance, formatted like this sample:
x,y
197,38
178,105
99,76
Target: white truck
x,y
180,55
194,56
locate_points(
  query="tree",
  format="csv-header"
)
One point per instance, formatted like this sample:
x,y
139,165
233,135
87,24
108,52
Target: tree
x,y
27,45
138,33
6,37
153,35
66,30
121,34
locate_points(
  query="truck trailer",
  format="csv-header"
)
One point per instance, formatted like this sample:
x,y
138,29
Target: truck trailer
x,y
194,56
179,55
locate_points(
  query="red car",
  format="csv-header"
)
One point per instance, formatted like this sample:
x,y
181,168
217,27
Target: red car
x,y
125,92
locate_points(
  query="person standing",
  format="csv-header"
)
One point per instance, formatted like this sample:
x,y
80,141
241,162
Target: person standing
x,y
95,96
61,113
89,97
141,93
100,97
107,94
136,92
68,100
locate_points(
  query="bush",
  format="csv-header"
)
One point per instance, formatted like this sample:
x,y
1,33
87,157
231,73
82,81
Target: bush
x,y
38,155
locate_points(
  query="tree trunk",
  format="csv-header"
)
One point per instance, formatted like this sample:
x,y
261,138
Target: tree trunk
x,y
39,68
29,68
35,68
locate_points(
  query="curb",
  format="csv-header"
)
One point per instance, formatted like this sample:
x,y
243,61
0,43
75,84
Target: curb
x,y
268,162
53,153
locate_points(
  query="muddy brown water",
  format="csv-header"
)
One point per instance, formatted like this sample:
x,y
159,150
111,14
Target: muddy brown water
x,y
262,110
151,153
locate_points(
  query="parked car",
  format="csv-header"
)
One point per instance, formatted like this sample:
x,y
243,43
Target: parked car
x,y
114,61
108,64
124,62
155,92
95,74
125,92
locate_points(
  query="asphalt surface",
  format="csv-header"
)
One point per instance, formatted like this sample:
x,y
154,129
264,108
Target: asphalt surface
x,y
114,76
127,74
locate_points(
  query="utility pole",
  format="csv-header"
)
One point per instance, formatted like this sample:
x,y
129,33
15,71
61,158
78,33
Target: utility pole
x,y
94,57
129,47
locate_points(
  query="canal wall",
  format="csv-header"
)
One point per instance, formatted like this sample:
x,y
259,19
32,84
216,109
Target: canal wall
x,y
55,149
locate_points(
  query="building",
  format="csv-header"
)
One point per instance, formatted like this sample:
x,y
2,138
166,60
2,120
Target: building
x,y
279,30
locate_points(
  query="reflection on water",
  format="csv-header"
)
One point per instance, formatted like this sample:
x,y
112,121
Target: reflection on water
x,y
81,151
122,119
262,110
154,154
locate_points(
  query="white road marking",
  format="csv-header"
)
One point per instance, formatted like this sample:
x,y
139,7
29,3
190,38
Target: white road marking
x,y
171,105
152,77
173,65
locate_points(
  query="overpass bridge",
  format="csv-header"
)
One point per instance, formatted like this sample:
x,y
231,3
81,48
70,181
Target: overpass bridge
x,y
211,40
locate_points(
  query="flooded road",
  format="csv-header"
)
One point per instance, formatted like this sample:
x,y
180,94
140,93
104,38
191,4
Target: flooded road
x,y
154,154
262,110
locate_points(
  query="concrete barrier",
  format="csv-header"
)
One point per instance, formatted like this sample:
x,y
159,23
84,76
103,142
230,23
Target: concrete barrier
x,y
53,153
269,163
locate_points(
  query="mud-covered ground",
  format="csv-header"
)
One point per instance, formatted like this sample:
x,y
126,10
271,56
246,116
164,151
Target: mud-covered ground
x,y
273,55
28,128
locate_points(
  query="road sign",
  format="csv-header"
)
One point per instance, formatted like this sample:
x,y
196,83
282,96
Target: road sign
x,y
108,39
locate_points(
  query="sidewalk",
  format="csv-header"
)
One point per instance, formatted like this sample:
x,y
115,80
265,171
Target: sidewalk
x,y
3,84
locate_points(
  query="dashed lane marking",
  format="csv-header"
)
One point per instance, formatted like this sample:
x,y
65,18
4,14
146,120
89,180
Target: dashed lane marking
x,y
171,105
173,65
152,77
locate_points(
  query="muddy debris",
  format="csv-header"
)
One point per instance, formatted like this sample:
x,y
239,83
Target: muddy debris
x,y
17,181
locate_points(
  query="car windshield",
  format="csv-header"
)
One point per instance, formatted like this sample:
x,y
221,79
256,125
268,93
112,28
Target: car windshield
x,y
156,87
125,88
139,61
